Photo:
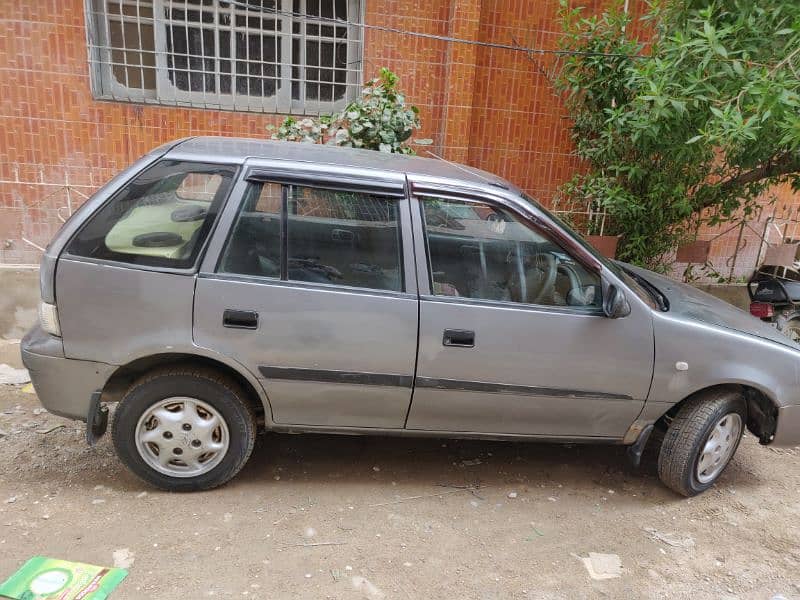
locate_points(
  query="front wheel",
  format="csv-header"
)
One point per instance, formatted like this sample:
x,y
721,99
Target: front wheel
x,y
701,440
184,429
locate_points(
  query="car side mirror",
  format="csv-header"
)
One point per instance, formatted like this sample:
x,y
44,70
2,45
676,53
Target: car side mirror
x,y
615,305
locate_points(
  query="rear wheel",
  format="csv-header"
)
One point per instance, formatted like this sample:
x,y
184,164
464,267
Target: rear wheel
x,y
184,429
701,440
792,330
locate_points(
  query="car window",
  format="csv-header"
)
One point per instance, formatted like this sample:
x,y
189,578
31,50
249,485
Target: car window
x,y
254,245
160,218
332,237
477,250
199,186
347,238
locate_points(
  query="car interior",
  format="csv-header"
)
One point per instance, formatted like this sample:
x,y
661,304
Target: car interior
x,y
158,217
478,251
342,238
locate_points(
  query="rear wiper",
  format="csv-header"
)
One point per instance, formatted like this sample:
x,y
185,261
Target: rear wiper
x,y
658,296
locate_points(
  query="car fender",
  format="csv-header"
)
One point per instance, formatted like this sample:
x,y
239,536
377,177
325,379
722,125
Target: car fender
x,y
692,355
185,352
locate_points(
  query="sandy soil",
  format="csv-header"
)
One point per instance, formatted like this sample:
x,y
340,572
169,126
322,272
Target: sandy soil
x,y
358,517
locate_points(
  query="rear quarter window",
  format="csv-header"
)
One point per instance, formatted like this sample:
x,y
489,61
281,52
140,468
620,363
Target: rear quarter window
x,y
160,218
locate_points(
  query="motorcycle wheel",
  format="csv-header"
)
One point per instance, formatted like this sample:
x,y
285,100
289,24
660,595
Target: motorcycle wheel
x,y
792,330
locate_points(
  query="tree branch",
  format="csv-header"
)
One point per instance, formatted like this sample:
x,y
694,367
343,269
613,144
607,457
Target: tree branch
x,y
783,164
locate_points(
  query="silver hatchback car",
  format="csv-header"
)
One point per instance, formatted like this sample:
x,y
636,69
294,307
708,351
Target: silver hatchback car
x,y
219,286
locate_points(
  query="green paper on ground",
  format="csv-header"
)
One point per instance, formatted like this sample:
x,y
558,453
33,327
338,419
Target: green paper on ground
x,y
44,578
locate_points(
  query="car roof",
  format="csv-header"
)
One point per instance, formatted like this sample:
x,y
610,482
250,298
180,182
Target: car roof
x,y
240,149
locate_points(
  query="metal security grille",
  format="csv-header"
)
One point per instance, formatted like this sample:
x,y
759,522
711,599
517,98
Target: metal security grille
x,y
331,204
284,56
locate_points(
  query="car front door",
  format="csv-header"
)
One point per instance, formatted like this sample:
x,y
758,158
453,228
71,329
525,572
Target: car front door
x,y
307,284
513,339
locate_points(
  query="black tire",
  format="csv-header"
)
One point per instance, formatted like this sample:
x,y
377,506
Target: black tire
x,y
220,392
688,433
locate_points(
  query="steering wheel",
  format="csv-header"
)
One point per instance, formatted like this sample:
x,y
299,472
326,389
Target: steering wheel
x,y
575,286
540,278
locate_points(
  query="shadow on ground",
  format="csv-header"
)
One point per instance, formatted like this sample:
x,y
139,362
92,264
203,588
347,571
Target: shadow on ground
x,y
62,456
319,459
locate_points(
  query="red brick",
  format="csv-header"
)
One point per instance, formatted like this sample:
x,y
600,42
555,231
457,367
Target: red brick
x,y
488,107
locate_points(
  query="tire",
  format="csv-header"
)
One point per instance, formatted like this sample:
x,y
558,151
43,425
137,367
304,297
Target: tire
x,y
200,420
792,330
715,413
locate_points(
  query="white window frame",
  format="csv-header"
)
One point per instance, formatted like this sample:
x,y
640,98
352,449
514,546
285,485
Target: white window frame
x,y
106,87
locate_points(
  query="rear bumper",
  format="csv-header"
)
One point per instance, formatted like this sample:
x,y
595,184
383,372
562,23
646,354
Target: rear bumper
x,y
788,430
64,385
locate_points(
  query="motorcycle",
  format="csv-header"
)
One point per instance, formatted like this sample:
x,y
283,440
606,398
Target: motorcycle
x,y
775,298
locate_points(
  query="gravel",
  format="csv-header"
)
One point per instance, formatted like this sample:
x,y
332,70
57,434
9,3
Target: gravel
x,y
467,519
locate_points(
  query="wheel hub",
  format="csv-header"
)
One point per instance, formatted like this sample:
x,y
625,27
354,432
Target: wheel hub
x,y
719,447
182,437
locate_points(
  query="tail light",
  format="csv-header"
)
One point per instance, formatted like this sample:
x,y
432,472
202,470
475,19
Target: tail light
x,y
48,318
762,310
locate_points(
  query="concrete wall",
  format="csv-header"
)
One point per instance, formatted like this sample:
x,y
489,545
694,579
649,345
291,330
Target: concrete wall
x,y
19,299
736,293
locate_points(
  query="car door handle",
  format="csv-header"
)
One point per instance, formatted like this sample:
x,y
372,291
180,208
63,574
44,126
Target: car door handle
x,y
240,319
460,338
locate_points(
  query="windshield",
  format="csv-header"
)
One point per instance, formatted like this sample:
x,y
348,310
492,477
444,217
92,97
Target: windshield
x,y
609,264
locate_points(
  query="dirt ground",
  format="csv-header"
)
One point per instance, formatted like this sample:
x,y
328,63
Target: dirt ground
x,y
359,517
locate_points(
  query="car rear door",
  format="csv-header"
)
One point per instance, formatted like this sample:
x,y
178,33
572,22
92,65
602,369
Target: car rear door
x,y
499,356
308,284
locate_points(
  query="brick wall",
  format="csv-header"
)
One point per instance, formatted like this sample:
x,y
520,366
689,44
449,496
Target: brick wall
x,y
491,108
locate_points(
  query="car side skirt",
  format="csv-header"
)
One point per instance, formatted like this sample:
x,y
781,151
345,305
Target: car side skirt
x,y
377,431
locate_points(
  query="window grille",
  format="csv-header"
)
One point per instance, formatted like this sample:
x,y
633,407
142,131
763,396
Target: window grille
x,y
283,56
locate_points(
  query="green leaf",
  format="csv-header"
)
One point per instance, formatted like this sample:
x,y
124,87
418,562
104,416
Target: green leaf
x,y
657,135
679,105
